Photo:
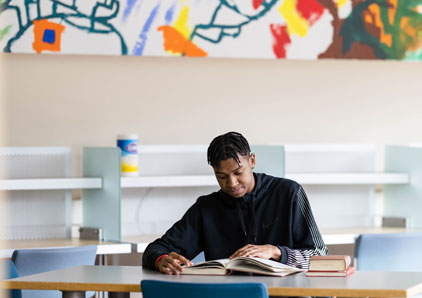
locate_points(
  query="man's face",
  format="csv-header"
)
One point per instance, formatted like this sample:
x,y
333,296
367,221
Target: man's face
x,y
236,179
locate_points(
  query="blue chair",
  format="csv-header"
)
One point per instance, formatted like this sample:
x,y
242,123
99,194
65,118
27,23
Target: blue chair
x,y
389,252
199,258
32,261
165,289
9,271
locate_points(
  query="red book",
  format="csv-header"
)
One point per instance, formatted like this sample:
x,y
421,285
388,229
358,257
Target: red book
x,y
343,273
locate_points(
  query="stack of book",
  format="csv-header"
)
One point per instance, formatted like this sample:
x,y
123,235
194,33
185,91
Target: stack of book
x,y
334,265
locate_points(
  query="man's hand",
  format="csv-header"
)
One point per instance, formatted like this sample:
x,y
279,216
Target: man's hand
x,y
266,251
172,264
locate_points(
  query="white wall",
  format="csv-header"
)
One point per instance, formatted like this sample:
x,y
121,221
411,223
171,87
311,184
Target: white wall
x,y
87,100
2,137
2,102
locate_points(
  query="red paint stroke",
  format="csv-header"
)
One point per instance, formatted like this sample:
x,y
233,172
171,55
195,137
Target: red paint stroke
x,y
257,3
311,10
281,39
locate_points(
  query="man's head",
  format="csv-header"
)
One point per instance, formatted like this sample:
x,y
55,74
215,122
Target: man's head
x,y
232,161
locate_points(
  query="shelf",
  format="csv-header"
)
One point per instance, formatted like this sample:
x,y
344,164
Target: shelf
x,y
103,247
200,181
348,235
302,178
51,183
350,178
169,181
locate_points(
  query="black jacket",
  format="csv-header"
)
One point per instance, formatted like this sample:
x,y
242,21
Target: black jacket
x,y
276,212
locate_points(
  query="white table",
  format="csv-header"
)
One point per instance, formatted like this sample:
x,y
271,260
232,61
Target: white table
x,y
121,280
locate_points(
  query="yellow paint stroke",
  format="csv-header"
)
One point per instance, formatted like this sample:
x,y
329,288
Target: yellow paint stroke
x,y
181,24
374,9
392,9
367,18
413,33
296,24
404,22
340,3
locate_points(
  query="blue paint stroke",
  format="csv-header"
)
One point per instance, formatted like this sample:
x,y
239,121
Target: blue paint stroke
x,y
49,36
128,9
170,14
138,49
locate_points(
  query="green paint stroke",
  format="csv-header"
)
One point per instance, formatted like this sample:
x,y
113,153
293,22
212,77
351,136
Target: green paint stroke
x,y
4,31
354,30
413,56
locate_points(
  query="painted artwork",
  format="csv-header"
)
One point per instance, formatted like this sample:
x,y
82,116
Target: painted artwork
x,y
283,29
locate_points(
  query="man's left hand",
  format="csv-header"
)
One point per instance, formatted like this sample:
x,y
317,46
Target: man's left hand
x,y
266,251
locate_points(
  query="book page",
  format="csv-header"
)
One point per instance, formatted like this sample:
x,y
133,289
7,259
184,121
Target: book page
x,y
258,270
269,265
214,267
221,263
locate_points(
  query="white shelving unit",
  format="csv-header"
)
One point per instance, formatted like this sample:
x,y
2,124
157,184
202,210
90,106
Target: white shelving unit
x,y
302,178
165,167
349,178
169,181
30,210
200,181
51,183
37,209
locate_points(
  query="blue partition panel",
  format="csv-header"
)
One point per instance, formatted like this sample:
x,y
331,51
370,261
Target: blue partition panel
x,y
101,207
404,200
269,160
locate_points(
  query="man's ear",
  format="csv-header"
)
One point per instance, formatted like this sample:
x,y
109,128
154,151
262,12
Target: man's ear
x,y
252,160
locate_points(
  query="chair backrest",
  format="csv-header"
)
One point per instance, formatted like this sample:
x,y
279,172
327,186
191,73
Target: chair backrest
x,y
199,258
165,289
32,261
389,252
9,271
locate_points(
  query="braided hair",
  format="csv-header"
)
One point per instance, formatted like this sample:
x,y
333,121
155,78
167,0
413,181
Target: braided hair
x,y
226,146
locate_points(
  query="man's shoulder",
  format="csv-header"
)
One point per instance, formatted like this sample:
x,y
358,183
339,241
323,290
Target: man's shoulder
x,y
268,180
204,199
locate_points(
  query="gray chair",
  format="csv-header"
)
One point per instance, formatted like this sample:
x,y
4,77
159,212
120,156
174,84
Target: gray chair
x,y
199,258
389,252
32,261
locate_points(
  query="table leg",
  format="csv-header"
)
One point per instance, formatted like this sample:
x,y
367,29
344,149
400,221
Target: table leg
x,y
118,294
102,261
73,294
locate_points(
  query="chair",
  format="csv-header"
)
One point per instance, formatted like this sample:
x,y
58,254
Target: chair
x,y
199,258
165,289
389,252
9,271
32,261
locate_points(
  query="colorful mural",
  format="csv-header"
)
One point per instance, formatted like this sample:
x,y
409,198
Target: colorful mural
x,y
284,29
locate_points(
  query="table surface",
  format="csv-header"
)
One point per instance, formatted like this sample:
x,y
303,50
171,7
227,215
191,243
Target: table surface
x,y
127,279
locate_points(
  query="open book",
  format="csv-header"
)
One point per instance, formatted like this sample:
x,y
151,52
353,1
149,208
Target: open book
x,y
243,264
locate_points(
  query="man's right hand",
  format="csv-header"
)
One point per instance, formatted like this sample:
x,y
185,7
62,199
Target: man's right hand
x,y
172,264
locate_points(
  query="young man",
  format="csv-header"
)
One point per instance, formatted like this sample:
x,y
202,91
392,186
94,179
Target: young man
x,y
252,215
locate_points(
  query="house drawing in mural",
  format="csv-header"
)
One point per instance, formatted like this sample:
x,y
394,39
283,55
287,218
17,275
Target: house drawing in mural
x,y
284,29
40,25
